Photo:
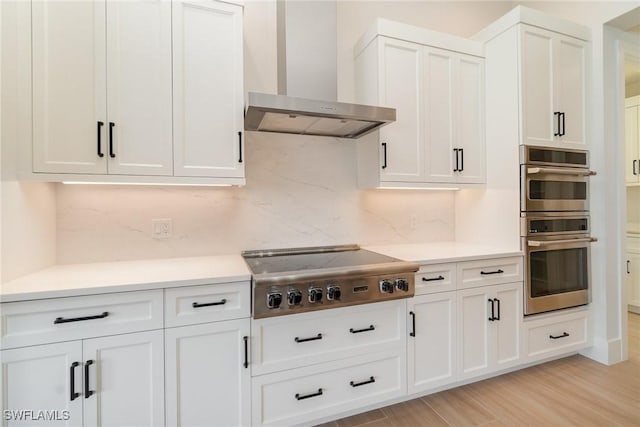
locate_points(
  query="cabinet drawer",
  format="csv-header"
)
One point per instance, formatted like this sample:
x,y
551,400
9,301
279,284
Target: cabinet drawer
x,y
64,319
287,342
304,395
633,244
485,272
559,335
207,303
436,278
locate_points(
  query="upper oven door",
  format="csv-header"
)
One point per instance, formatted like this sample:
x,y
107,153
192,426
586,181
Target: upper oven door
x,y
554,189
544,156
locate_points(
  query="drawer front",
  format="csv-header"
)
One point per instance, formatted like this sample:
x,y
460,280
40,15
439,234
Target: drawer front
x,y
485,272
307,394
557,336
436,278
207,303
288,342
64,319
633,244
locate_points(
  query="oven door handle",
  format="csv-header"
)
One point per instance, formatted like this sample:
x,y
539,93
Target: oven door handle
x,y
538,243
558,171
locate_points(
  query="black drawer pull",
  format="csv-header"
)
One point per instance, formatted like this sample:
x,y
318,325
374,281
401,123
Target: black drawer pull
x,y
369,381
432,279
72,379
223,301
317,337
80,319
556,337
486,273
493,310
87,392
240,147
384,150
100,153
246,351
357,331
557,114
498,301
306,396
111,153
413,324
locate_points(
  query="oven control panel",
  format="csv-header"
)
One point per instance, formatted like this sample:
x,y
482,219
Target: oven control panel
x,y
310,295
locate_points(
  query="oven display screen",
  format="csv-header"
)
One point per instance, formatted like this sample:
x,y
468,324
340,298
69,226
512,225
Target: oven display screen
x,y
359,289
557,225
558,271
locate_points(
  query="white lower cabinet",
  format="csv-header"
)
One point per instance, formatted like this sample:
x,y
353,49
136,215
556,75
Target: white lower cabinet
x,y
109,381
557,334
306,394
207,375
488,324
431,349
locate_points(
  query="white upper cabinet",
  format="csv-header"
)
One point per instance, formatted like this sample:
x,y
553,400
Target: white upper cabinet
x,y
138,91
632,140
69,87
553,88
436,84
207,89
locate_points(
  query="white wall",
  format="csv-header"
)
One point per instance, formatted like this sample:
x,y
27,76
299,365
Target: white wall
x,y
27,209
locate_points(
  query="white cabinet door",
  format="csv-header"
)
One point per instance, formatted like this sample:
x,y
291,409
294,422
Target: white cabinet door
x,y
538,121
633,281
474,339
401,150
208,94
507,328
139,87
570,64
469,119
69,87
439,115
38,378
632,144
208,383
432,342
125,374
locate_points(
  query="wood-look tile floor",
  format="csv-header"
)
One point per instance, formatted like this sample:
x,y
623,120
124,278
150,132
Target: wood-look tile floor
x,y
574,391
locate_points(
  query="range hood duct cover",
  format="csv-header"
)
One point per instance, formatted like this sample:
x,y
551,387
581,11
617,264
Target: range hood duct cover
x,y
307,80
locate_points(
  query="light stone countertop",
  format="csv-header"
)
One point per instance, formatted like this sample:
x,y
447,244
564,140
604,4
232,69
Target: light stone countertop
x,y
104,277
98,278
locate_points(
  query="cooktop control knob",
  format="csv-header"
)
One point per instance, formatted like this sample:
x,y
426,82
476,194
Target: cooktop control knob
x,y
333,292
386,286
315,294
274,299
294,297
402,285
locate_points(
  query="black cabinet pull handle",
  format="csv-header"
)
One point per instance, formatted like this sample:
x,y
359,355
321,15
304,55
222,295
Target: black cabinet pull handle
x,y
80,319
87,391
493,313
306,396
384,155
555,337
562,133
317,337
240,147
246,351
371,380
486,273
413,324
357,331
100,153
72,379
111,153
223,301
634,167
497,301
455,151
432,279
461,151
628,271
557,114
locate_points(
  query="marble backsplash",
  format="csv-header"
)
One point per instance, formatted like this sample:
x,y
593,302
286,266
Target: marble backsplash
x,y
301,191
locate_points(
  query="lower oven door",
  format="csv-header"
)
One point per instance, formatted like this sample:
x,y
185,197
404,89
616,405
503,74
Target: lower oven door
x,y
557,272
554,189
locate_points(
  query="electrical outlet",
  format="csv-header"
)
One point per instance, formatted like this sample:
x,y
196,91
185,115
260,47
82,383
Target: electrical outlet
x,y
413,220
161,228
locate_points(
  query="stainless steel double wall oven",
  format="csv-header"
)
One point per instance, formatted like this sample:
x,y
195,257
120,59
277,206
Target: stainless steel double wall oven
x,y
555,227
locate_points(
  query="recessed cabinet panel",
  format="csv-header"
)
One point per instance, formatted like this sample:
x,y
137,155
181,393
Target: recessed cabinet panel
x,y
208,89
473,333
139,87
469,124
509,302
400,87
632,141
570,56
69,86
537,92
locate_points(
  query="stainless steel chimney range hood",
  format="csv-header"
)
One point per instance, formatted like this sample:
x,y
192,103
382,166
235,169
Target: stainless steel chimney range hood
x,y
286,114
307,80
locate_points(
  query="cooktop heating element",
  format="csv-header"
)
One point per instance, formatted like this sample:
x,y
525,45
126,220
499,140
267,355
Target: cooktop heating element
x,y
288,281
